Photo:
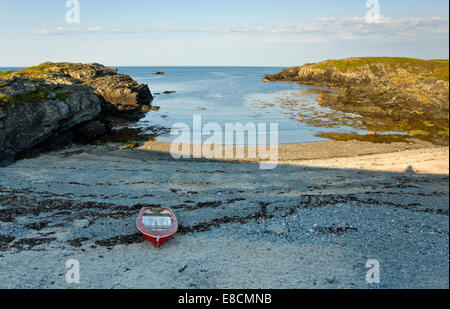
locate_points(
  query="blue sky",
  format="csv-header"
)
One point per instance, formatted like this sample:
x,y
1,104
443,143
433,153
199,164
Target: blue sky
x,y
207,32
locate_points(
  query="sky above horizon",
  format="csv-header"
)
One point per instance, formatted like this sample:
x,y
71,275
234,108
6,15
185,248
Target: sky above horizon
x,y
219,33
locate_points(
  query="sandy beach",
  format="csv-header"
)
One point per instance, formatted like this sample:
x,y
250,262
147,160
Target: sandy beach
x,y
215,152
313,222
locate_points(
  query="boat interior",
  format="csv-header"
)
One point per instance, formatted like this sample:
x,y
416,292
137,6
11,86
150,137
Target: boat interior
x,y
157,219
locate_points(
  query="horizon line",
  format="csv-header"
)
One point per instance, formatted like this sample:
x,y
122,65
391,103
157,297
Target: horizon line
x,y
224,66
174,66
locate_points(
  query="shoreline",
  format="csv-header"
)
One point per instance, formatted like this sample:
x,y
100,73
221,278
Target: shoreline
x,y
323,217
317,153
384,91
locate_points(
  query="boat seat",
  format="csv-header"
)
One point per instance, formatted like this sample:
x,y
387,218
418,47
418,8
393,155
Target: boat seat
x,y
157,219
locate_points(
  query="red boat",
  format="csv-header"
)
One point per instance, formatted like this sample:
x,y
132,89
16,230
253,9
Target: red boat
x,y
158,225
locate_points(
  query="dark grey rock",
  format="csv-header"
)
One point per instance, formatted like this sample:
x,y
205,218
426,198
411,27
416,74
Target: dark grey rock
x,y
59,106
91,131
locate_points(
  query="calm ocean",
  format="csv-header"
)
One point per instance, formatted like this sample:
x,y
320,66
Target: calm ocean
x,y
237,94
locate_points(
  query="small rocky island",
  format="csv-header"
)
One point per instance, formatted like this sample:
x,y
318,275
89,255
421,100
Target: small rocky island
x,y
62,102
391,94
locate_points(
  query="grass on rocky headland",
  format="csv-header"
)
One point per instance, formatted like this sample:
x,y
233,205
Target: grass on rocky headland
x,y
4,83
39,95
438,68
42,70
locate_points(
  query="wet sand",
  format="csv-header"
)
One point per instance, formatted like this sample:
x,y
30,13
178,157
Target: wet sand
x,y
313,222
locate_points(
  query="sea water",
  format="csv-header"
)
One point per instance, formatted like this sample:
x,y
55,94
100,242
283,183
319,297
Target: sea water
x,y
237,95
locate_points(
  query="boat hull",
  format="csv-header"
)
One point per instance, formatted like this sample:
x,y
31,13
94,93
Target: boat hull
x,y
161,235
155,241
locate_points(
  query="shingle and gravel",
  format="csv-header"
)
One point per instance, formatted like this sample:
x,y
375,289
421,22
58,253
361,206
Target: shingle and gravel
x,y
297,226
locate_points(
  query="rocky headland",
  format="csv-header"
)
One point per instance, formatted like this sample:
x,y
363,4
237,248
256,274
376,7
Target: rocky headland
x,y
55,103
391,94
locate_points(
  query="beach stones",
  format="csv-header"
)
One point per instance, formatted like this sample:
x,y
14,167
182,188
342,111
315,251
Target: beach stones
x,y
80,224
276,229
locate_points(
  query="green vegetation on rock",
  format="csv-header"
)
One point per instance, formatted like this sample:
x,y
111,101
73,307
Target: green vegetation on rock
x,y
41,94
391,94
3,99
6,74
423,68
42,70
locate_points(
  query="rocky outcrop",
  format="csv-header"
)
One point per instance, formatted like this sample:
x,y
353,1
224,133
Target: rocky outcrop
x,y
392,94
120,94
35,111
61,101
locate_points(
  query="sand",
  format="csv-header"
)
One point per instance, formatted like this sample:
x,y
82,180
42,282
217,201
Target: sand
x,y
330,207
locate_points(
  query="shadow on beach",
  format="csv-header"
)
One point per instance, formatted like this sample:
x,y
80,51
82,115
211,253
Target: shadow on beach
x,y
41,198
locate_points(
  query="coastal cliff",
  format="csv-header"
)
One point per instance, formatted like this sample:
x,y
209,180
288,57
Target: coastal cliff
x,y
60,102
392,94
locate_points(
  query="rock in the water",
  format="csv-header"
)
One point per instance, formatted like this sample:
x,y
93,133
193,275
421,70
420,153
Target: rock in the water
x,y
146,109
